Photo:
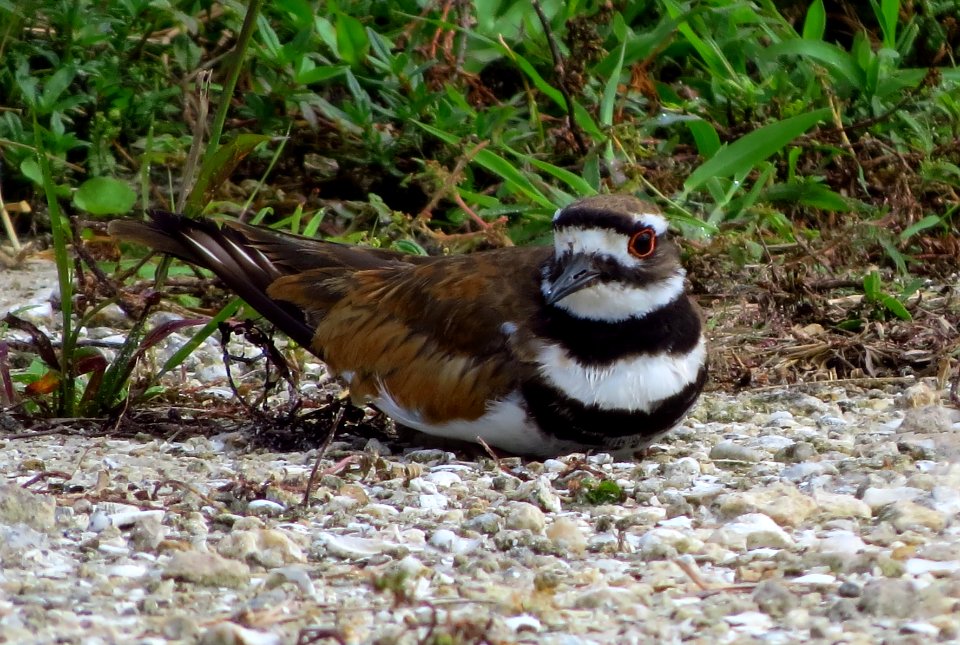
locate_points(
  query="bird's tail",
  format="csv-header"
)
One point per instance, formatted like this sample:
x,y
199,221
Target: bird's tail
x,y
231,253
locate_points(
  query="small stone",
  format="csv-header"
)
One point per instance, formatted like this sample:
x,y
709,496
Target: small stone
x,y
918,396
795,453
443,539
206,569
443,478
906,515
296,574
666,543
841,542
539,492
781,501
838,505
928,419
20,506
751,531
773,598
732,451
486,523
232,634
566,536
434,502
265,508
877,498
920,566
522,515
269,548
841,610
889,598
849,589
683,467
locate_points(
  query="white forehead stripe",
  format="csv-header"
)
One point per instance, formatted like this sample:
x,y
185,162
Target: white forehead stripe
x,y
595,241
656,221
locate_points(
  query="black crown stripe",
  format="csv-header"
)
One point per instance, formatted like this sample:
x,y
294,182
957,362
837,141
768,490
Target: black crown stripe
x,y
587,218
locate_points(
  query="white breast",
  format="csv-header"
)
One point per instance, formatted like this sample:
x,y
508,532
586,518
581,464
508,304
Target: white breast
x,y
634,384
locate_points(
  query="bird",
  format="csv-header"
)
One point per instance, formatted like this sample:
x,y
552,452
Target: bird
x,y
589,345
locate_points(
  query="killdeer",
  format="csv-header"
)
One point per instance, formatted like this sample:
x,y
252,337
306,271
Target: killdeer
x,y
538,351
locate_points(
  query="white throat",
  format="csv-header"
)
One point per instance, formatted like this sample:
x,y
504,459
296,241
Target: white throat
x,y
615,301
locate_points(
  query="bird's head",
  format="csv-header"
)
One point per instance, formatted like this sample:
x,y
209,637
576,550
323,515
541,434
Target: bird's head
x,y
613,260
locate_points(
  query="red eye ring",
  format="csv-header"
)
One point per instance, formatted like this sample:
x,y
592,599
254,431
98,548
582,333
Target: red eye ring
x,y
643,243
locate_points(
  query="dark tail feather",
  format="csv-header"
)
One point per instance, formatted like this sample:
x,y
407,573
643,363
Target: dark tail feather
x,y
228,254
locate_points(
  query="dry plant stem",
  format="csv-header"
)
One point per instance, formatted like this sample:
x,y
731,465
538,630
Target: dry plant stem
x,y
562,79
312,480
692,573
8,226
955,388
451,181
199,127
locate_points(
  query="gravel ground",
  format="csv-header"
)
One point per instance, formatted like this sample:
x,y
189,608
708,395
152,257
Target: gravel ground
x,y
823,513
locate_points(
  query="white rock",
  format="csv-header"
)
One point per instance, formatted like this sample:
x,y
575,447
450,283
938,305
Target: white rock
x,y
348,546
838,505
815,579
751,531
920,566
841,542
877,498
754,622
265,507
443,539
522,623
433,502
443,478
126,571
421,485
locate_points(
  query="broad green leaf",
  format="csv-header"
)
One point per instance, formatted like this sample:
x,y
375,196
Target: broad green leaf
x,y
808,194
352,41
31,170
579,185
54,86
610,90
815,23
895,307
893,253
104,196
513,177
705,136
888,12
271,42
409,247
706,47
871,285
749,150
840,63
308,72
927,222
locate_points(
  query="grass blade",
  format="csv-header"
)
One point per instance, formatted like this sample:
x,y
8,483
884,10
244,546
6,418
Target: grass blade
x,y
749,150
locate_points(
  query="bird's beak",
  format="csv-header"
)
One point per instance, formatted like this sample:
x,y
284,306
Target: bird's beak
x,y
578,273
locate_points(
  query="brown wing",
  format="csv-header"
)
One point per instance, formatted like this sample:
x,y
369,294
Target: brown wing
x,y
427,329
431,334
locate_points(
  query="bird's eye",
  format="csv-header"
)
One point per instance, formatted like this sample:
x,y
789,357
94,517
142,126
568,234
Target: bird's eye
x,y
642,243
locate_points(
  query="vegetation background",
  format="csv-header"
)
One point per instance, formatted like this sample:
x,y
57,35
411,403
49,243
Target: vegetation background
x,y
809,152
